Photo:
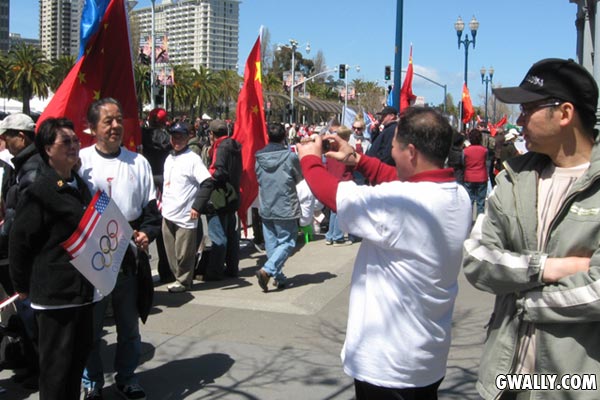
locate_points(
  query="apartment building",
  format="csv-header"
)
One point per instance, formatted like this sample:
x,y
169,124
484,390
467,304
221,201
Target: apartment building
x,y
199,32
59,27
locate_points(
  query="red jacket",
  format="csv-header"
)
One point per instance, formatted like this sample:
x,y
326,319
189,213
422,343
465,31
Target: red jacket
x,y
475,167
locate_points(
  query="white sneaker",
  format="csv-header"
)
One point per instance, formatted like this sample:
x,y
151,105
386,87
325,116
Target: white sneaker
x,y
176,287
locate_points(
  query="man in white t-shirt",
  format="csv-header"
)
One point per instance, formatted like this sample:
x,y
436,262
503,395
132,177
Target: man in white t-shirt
x,y
127,178
413,224
183,174
536,246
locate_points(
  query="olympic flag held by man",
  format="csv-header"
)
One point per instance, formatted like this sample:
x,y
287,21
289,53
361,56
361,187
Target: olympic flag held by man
x,y
98,245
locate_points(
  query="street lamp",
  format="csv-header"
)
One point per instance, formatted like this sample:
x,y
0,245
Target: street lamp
x,y
152,59
459,25
293,46
487,80
348,67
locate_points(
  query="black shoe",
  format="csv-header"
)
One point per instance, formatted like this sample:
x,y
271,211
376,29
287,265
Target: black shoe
x,y
131,392
279,285
263,279
211,278
92,394
231,274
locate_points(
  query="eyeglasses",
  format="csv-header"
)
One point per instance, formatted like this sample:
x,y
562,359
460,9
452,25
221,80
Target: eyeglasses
x,y
528,109
69,142
357,128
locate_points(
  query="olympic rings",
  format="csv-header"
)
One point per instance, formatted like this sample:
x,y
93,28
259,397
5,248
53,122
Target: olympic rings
x,y
112,229
108,245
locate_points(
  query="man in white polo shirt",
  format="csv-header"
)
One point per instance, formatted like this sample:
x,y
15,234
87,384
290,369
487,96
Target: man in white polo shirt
x,y
183,174
413,224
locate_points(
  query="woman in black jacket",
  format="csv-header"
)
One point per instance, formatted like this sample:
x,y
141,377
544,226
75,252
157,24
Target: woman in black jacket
x,y
47,215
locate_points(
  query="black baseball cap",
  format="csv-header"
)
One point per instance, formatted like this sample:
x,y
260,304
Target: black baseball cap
x,y
558,79
179,127
388,110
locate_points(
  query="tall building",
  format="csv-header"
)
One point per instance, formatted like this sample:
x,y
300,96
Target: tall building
x,y
199,32
4,24
59,27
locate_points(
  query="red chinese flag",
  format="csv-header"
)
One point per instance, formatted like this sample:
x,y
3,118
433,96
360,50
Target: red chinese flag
x,y
104,70
250,129
468,111
406,93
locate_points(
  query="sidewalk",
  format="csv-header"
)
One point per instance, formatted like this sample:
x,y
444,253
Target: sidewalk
x,y
229,340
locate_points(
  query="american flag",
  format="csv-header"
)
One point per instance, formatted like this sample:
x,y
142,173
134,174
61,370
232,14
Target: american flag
x,y
75,243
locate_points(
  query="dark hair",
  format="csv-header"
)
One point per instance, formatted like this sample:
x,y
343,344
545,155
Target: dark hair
x,y
93,114
46,134
30,135
276,133
428,131
475,136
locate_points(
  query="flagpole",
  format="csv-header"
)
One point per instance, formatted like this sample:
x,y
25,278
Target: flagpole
x,y
398,56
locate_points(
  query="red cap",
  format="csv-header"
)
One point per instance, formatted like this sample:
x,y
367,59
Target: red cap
x,y
158,115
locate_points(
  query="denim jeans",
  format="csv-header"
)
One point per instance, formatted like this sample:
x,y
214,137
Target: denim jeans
x,y
280,241
334,233
225,250
477,192
127,356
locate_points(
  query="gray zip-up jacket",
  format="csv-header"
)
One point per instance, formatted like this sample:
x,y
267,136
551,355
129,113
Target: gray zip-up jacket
x,y
500,257
278,172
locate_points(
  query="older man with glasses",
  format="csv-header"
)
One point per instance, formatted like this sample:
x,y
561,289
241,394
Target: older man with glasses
x,y
536,245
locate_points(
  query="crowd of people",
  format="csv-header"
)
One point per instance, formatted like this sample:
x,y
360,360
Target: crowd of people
x,y
404,188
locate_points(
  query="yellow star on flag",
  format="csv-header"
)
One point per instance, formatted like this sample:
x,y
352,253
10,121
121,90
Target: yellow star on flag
x,y
81,77
258,76
96,95
255,109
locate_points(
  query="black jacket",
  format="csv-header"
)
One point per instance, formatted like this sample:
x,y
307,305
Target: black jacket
x,y
47,214
226,168
382,146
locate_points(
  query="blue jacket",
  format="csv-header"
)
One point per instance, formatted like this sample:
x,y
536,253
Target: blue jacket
x,y
278,172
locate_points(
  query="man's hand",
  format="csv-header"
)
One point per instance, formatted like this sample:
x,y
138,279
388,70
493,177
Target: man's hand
x,y
23,296
141,240
310,146
558,268
344,153
194,214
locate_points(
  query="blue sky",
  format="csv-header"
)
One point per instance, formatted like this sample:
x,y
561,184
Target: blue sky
x,y
513,34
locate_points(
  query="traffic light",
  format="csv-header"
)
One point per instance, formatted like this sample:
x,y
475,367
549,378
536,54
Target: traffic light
x,y
342,71
388,73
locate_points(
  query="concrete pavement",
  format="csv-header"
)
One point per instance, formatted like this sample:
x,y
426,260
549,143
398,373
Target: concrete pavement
x,y
229,340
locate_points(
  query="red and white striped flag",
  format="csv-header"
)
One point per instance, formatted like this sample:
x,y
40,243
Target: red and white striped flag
x,y
99,243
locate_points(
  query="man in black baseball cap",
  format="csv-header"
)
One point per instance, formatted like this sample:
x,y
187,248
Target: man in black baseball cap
x,y
536,245
382,143
556,79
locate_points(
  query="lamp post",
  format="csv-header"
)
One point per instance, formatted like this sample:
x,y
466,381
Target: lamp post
x,y
348,67
459,25
487,80
293,46
152,60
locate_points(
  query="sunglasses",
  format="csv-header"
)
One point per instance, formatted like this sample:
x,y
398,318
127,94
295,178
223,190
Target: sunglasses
x,y
69,142
358,128
528,109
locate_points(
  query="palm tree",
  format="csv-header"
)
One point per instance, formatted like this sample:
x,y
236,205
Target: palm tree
x,y
205,88
141,75
272,82
229,86
182,91
28,73
60,68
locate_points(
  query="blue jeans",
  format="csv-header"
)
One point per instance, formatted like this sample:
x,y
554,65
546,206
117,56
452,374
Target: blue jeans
x,y
334,233
477,192
127,356
280,241
222,230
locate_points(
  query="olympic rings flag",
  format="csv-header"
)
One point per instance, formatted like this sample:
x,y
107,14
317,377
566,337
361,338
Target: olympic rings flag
x,y
99,243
